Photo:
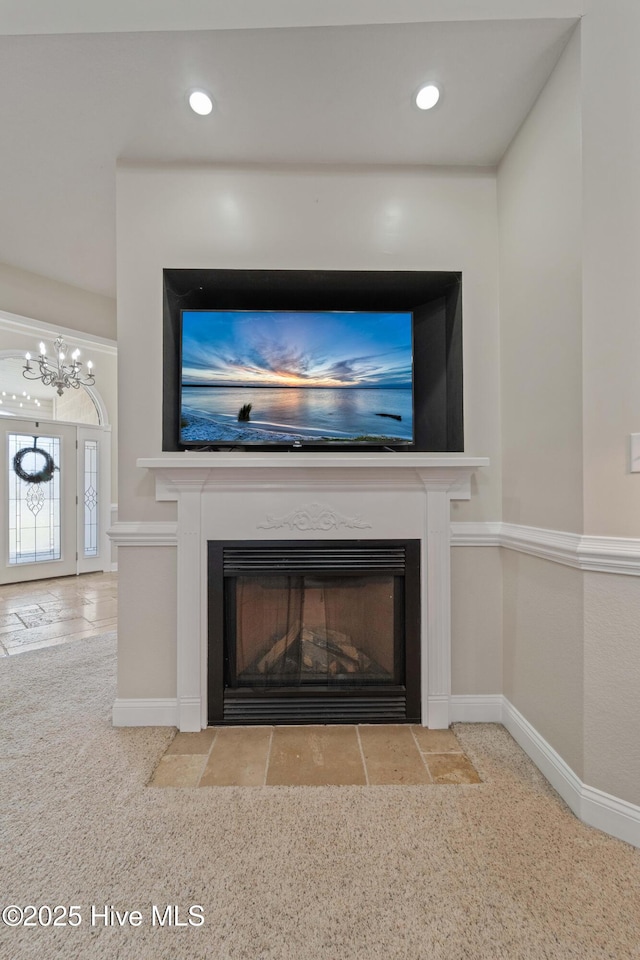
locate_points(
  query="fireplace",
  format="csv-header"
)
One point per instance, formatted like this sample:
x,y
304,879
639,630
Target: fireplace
x,y
314,631
237,497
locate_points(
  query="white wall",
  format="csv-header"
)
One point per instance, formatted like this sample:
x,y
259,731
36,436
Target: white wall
x,y
297,218
539,213
30,295
569,222
611,254
540,226
611,350
355,219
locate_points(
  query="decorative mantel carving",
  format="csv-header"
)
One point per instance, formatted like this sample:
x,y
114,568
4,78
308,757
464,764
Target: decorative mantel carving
x,y
314,516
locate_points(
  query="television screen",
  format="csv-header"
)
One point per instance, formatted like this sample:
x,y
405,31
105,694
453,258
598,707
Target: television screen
x,y
275,377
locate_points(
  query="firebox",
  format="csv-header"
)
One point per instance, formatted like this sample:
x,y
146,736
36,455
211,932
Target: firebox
x,y
314,631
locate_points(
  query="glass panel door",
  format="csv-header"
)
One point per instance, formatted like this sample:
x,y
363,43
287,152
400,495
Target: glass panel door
x,y
35,467
94,507
90,499
37,490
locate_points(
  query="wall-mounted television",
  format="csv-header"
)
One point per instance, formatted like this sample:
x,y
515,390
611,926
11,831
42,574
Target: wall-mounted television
x,y
284,377
312,359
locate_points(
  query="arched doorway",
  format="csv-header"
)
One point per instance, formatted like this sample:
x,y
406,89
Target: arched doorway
x,y
54,479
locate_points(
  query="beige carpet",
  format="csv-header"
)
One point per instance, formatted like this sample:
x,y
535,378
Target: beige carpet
x,y
496,870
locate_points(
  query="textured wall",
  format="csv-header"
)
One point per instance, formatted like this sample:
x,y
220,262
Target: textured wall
x,y
147,669
476,620
543,650
611,684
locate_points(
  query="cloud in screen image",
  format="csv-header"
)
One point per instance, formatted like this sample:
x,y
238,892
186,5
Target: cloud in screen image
x,y
290,349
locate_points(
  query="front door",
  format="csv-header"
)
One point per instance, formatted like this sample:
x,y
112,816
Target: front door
x,y
51,487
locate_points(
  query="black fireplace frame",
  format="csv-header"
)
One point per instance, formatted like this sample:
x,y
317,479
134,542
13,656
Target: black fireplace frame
x,y
391,703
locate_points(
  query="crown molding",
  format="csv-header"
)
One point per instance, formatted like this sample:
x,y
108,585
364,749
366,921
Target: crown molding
x,y
13,323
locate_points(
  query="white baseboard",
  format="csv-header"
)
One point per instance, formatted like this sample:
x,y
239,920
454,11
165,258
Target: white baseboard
x,y
145,713
438,717
598,809
611,814
614,816
189,712
547,760
476,708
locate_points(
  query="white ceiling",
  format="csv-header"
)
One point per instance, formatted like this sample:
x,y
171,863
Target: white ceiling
x,y
73,105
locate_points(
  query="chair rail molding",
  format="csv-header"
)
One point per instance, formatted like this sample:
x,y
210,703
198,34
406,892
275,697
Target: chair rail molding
x,y
125,533
619,555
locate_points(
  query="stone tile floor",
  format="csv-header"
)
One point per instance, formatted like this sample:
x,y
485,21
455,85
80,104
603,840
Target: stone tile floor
x,y
364,755
44,613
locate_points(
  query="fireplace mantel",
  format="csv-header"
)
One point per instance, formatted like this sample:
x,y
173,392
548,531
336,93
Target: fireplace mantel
x,y
276,496
318,461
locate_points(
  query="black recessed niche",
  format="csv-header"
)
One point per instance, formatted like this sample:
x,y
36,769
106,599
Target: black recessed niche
x,y
434,298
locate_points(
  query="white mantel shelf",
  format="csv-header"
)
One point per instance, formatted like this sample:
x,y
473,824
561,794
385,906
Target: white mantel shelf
x,y
289,495
183,471
319,461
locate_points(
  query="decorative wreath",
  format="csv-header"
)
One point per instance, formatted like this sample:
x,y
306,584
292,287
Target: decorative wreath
x,y
43,475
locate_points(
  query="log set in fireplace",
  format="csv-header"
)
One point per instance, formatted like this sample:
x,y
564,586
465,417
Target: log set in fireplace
x,y
314,631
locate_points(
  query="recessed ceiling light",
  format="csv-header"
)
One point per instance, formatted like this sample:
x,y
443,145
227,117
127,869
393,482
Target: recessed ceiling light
x,y
427,96
200,102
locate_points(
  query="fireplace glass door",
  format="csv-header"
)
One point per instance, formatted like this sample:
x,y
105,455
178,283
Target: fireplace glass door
x,y
308,630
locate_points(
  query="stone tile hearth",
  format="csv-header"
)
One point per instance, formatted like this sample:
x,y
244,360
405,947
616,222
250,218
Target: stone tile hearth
x,y
340,755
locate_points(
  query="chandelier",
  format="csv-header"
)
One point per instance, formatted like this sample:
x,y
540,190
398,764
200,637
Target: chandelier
x,y
58,372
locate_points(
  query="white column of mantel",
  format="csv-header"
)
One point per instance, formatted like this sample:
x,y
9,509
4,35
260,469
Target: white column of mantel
x,y
436,616
189,626
436,597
